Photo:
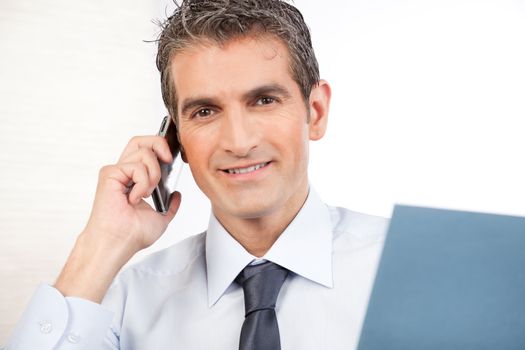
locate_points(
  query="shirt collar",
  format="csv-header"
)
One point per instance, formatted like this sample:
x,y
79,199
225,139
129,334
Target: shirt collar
x,y
305,247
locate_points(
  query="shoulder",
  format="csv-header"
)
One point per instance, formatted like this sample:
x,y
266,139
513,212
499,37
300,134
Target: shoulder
x,y
169,265
365,228
171,261
144,285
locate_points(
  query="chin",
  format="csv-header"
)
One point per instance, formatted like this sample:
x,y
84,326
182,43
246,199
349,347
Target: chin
x,y
244,210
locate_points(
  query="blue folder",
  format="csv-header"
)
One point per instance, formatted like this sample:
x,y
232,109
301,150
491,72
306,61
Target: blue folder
x,y
448,280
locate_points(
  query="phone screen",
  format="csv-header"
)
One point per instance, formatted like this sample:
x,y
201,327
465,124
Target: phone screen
x,y
170,172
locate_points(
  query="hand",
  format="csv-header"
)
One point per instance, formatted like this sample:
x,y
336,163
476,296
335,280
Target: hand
x,y
121,222
120,213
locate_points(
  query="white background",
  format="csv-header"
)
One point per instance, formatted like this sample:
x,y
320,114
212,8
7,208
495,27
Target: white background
x,y
428,109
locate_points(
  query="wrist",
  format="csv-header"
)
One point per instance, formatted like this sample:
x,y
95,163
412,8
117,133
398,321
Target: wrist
x,y
92,265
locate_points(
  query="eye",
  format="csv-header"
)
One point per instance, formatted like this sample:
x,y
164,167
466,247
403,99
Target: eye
x,y
265,100
202,113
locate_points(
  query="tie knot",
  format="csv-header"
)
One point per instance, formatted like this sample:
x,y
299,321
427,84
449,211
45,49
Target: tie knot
x,y
261,285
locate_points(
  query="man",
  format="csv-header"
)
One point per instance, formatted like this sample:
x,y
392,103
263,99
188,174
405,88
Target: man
x,y
241,81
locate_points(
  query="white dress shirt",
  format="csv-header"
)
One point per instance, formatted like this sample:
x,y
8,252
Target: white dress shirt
x,y
184,297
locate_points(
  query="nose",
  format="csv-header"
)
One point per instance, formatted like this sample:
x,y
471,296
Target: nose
x,y
239,134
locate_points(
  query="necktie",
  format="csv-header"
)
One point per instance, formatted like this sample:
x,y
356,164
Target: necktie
x,y
261,285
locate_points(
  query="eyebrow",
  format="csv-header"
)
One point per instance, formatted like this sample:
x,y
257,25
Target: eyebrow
x,y
267,89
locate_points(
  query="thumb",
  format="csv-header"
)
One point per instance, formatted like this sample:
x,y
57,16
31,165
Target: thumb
x,y
175,200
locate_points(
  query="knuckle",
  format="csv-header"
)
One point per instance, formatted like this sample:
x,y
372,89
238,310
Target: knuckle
x,y
135,139
142,167
142,171
104,171
146,152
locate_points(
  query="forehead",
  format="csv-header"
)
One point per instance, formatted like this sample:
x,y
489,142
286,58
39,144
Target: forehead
x,y
235,66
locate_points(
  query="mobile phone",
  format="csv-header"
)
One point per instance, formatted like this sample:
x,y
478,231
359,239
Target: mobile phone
x,y
170,172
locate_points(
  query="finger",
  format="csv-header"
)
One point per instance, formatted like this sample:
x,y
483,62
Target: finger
x,y
157,144
119,180
138,175
149,159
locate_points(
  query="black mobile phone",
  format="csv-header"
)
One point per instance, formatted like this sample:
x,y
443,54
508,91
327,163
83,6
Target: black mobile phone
x,y
170,172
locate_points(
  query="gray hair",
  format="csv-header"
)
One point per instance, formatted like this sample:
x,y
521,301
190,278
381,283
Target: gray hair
x,y
222,20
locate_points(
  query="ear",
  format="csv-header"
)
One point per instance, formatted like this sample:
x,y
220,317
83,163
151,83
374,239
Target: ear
x,y
183,155
319,105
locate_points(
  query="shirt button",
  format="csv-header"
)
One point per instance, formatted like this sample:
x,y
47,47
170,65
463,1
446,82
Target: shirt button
x,y
73,337
45,327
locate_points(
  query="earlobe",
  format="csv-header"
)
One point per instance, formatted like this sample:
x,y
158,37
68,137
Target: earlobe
x,y
319,107
183,155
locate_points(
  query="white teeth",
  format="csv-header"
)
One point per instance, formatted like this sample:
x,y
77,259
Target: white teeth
x,y
246,170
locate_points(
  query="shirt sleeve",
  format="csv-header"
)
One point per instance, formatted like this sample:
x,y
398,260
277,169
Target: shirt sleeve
x,y
52,321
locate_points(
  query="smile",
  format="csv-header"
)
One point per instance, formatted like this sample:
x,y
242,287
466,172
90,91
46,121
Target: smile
x,y
247,169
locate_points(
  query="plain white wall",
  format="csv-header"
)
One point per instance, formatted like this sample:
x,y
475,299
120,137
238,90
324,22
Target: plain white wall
x,y
429,103
427,109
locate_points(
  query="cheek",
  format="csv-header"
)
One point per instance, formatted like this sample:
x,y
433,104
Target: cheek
x,y
196,149
195,140
292,143
198,156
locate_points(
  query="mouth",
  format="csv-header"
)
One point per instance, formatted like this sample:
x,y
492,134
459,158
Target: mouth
x,y
247,169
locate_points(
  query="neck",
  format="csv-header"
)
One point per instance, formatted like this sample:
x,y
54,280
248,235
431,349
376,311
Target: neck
x,y
257,235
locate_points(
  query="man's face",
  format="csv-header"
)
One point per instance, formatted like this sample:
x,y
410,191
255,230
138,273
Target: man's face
x,y
243,125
